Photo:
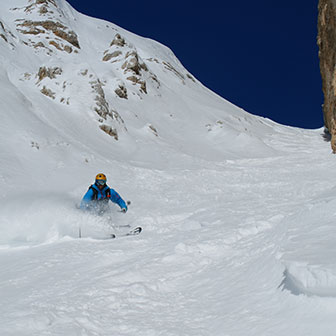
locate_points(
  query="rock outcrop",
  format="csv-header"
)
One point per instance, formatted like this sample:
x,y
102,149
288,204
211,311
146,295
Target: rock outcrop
x,y
61,33
134,70
43,20
327,53
48,30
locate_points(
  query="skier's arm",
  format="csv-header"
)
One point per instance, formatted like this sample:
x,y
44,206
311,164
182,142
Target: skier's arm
x,y
115,198
86,199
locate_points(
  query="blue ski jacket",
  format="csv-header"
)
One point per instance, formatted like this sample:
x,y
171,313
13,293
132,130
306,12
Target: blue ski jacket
x,y
94,196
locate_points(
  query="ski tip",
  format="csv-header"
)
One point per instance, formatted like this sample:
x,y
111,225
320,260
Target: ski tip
x,y
137,230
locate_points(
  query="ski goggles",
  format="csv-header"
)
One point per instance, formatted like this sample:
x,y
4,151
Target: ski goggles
x,y
101,182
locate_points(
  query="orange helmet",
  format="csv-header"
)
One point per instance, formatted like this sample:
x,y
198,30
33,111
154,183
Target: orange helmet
x,y
101,179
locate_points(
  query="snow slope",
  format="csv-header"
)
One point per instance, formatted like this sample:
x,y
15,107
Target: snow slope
x,y
237,210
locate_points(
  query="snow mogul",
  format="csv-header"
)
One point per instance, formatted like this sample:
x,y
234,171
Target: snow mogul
x,y
98,196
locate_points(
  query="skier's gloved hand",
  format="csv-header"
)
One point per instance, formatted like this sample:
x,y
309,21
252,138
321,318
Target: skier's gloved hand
x,y
124,210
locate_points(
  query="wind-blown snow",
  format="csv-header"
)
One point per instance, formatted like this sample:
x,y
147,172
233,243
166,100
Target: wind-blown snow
x,y
237,211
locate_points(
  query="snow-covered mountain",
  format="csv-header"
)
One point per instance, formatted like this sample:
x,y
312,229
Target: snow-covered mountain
x,y
108,85
237,211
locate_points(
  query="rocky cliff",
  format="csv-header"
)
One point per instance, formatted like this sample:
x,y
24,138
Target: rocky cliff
x,y
327,53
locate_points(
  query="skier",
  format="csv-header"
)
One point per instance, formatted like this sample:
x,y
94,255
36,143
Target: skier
x,y
97,197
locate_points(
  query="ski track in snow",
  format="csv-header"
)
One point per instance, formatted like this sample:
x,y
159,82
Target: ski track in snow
x,y
233,248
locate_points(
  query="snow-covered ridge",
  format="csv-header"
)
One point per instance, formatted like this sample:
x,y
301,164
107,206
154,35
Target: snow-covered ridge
x,y
125,85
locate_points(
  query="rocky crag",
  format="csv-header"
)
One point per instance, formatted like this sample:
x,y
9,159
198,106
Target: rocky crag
x,y
326,41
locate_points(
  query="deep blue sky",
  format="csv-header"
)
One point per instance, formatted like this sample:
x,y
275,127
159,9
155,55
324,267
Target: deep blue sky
x,y
264,56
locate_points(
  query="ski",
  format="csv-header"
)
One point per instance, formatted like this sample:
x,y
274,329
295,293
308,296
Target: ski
x,y
134,232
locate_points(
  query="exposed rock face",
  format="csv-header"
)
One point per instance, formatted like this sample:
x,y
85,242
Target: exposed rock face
x,y
41,27
121,91
102,106
42,5
118,41
48,72
110,131
327,53
134,69
47,28
47,92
